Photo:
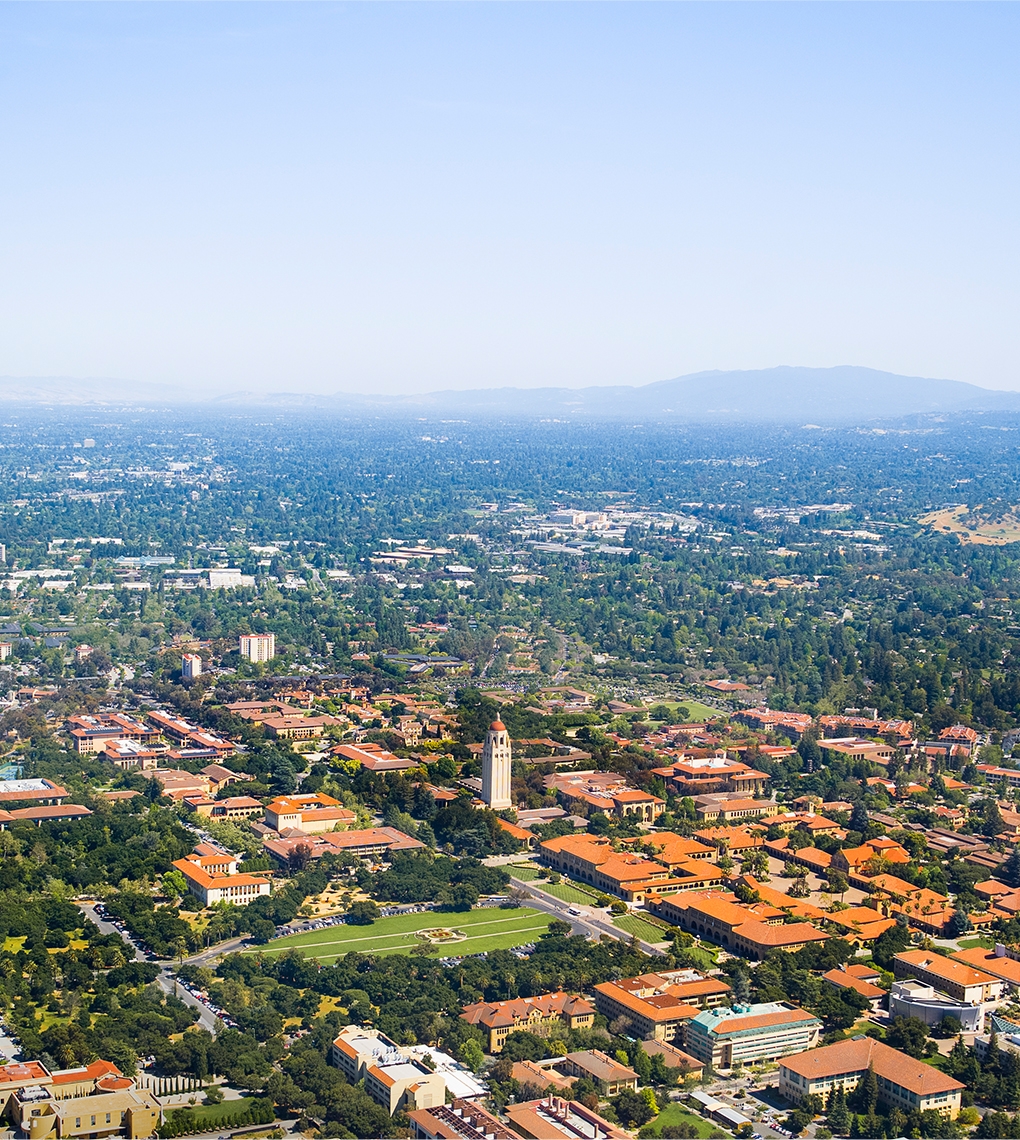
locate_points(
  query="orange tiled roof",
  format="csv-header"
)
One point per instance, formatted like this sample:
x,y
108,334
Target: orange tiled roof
x,y
1008,969
951,969
855,1056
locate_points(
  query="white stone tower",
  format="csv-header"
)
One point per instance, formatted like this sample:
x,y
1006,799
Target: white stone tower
x,y
496,762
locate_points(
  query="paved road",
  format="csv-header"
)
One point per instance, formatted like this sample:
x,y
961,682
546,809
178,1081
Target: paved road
x,y
590,922
206,1018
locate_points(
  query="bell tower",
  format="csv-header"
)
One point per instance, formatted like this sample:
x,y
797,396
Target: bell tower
x,y
496,763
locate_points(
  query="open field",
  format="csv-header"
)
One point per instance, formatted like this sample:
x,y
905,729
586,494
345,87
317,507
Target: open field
x,y
634,924
486,929
970,943
567,893
974,528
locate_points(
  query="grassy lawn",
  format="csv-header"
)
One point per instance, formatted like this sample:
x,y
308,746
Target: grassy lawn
x,y
523,871
697,711
204,1112
676,1114
984,943
634,924
567,893
487,929
706,959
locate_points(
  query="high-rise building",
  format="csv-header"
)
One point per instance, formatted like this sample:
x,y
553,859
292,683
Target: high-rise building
x,y
496,763
191,666
257,646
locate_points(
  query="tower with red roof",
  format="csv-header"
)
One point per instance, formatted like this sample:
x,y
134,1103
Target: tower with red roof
x,y
496,763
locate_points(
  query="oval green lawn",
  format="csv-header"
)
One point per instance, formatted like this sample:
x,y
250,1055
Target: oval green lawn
x,y
487,928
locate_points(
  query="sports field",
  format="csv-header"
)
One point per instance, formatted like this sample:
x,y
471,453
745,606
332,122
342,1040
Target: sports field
x,y
486,929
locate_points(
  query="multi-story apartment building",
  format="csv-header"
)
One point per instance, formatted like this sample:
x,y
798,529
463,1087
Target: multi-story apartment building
x,y
751,1033
257,646
903,1082
191,666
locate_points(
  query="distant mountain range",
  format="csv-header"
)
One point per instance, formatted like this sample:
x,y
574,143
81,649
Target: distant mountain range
x,y
778,395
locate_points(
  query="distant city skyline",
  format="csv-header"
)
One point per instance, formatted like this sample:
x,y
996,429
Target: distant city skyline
x,y
407,198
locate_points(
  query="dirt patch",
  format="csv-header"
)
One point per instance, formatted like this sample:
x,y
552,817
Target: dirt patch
x,y
977,527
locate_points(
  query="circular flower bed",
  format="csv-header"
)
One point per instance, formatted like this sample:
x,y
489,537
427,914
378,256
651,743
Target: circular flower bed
x,y
440,936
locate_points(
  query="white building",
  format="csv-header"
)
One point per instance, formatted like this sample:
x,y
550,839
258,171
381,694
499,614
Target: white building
x,y
257,646
228,578
191,666
392,1077
497,761
6,649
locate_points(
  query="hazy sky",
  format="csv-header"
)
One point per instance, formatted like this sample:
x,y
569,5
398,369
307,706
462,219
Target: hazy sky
x,y
392,197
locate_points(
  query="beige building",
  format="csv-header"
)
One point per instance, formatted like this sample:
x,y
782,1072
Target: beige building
x,y
311,813
233,807
94,1102
609,1075
656,1007
535,1014
903,1082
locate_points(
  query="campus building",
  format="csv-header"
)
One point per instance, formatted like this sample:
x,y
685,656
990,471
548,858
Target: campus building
x,y
749,930
212,877
751,1033
233,807
391,1079
956,979
460,1120
554,1117
629,875
903,1082
311,813
94,1101
365,843
694,775
535,1014
91,734
657,1007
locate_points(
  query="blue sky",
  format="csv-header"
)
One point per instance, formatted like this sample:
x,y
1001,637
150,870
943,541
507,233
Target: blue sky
x,y
390,197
